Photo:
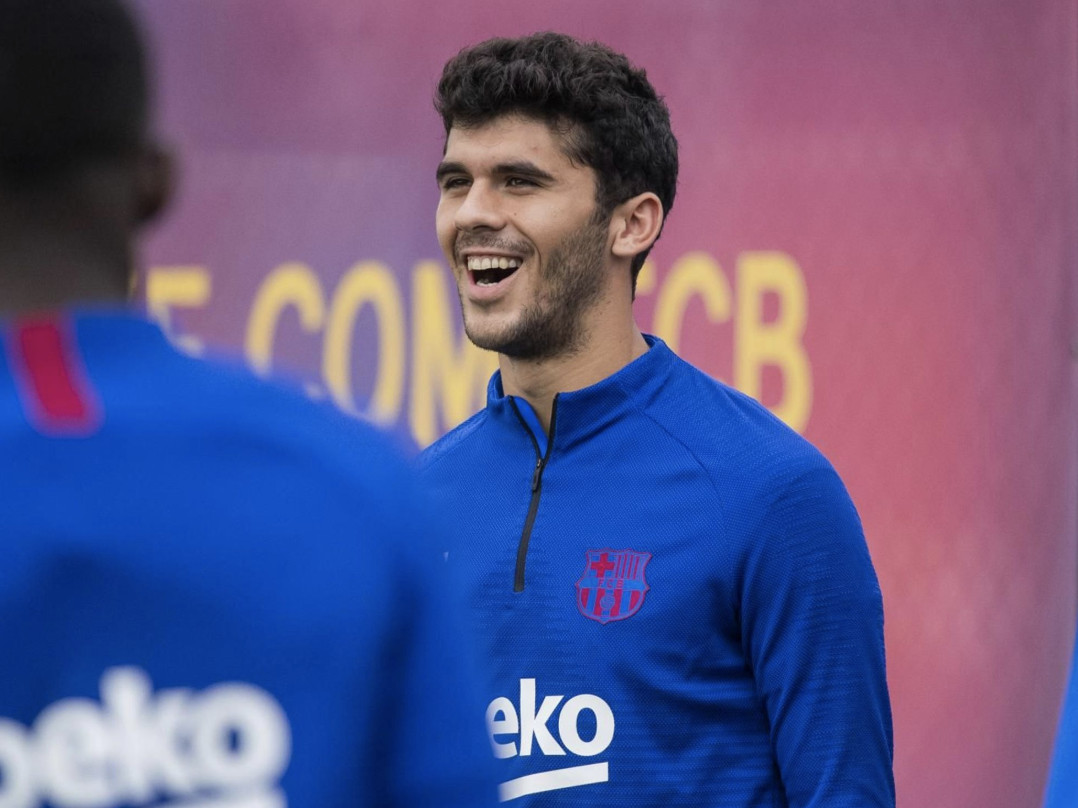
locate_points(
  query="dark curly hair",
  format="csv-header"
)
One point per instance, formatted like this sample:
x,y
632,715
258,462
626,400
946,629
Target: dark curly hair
x,y
610,115
73,87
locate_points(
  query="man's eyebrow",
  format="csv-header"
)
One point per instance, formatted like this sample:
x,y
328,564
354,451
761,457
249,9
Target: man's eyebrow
x,y
520,168
523,168
448,167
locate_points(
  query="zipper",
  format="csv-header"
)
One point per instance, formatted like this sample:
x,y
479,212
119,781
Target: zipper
x,y
537,490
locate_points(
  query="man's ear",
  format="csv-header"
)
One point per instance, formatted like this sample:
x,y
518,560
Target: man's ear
x,y
635,224
155,183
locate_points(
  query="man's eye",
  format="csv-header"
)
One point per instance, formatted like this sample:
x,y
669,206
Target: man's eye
x,y
520,182
449,183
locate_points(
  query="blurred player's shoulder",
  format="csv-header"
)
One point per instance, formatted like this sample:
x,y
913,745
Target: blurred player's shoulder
x,y
223,388
210,416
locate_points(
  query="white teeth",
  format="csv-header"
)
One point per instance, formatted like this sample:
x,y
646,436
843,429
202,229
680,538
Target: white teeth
x,y
479,263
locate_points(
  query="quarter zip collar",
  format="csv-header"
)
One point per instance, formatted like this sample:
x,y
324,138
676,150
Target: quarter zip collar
x,y
531,419
582,413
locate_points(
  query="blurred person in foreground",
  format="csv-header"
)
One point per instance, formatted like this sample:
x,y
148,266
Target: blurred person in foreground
x,y
673,587
212,591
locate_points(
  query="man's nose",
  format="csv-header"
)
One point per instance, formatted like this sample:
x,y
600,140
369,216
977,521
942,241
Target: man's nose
x,y
480,209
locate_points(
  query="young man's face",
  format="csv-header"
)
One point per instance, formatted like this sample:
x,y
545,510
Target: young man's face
x,y
516,220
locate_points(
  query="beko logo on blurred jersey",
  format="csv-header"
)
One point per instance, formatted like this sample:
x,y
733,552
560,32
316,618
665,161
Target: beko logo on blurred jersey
x,y
533,729
226,747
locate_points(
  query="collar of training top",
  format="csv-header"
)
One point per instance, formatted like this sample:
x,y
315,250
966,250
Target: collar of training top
x,y
581,413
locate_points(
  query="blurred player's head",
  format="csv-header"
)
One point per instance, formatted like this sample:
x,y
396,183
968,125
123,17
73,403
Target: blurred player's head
x,y
76,159
608,114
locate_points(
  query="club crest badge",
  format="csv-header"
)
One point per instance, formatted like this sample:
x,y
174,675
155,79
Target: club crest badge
x,y
613,585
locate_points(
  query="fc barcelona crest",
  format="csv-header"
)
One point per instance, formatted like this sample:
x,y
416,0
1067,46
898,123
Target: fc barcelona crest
x,y
612,586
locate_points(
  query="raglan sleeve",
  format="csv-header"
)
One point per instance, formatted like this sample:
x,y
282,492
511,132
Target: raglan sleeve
x,y
812,627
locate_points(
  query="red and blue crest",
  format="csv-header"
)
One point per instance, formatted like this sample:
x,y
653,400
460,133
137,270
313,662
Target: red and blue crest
x,y
613,585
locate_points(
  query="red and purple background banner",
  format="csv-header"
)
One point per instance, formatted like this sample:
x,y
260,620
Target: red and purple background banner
x,y
876,233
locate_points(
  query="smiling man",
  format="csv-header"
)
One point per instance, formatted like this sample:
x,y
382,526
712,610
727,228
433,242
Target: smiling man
x,y
673,588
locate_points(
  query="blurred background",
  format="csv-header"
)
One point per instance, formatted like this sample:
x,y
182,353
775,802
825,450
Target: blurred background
x,y
876,234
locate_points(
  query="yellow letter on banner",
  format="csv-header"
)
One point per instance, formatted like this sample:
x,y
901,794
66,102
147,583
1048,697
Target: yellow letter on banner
x,y
694,274
779,343
369,282
288,285
442,372
177,287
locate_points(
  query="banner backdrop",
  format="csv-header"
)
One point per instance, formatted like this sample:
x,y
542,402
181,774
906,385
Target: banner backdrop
x,y
875,234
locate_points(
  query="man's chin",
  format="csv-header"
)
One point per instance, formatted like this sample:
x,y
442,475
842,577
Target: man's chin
x,y
488,339
523,346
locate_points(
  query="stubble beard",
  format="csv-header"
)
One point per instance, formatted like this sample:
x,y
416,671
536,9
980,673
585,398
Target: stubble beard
x,y
552,324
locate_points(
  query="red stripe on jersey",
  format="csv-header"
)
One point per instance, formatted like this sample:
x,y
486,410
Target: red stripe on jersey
x,y
56,395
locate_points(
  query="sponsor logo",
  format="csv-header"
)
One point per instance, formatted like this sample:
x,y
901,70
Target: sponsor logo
x,y
529,730
224,747
612,586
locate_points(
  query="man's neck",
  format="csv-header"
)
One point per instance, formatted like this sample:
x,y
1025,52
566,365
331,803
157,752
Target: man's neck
x,y
601,355
51,275
66,245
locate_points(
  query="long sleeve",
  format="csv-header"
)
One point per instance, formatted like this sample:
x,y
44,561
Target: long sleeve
x,y
813,629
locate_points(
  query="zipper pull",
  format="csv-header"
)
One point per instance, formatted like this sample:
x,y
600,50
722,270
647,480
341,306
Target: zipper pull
x,y
537,475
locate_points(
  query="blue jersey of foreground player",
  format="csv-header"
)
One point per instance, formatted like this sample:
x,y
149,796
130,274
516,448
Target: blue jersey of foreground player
x,y
212,591
675,596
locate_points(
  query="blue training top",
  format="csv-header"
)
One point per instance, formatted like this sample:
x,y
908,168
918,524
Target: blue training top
x,y
213,591
675,597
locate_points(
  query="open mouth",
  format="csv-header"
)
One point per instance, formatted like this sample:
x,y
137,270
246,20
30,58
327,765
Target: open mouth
x,y
488,270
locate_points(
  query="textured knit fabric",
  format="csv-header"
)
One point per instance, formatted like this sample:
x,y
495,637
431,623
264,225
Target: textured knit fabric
x,y
699,623
212,591
1063,779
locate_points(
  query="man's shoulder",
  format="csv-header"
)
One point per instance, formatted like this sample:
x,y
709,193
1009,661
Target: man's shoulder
x,y
726,429
248,457
703,399
198,411
279,414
